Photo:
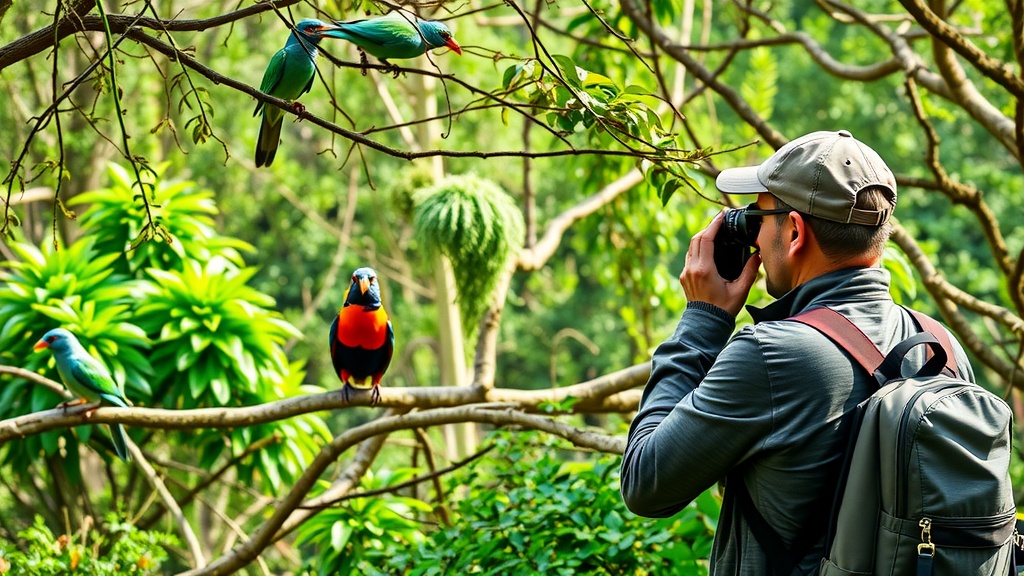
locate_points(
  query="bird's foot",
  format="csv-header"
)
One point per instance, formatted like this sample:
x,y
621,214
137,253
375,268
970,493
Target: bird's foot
x,y
374,395
69,403
363,61
299,109
344,392
392,69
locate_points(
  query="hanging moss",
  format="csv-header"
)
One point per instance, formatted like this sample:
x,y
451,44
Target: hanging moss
x,y
478,226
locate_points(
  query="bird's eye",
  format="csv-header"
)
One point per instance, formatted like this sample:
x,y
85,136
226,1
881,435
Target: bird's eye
x,y
51,339
354,279
445,35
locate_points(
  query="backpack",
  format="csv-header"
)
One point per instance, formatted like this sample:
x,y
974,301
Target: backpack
x,y
924,488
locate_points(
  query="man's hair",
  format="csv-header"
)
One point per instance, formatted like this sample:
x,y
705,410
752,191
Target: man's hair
x,y
840,241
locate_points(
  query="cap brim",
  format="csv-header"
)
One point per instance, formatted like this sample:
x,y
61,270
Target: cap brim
x,y
740,181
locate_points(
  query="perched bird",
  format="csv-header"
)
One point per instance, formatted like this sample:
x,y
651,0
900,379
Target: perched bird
x,y
289,75
395,35
362,339
87,378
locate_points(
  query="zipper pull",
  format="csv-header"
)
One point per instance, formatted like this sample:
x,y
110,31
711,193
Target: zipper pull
x,y
926,537
925,550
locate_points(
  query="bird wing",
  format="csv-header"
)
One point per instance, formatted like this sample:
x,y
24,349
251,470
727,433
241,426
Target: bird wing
x,y
389,349
94,378
336,357
387,31
273,75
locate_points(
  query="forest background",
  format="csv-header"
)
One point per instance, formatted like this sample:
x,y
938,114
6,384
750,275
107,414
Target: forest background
x,y
526,206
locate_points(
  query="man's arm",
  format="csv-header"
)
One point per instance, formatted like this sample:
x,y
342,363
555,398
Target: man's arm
x,y
699,417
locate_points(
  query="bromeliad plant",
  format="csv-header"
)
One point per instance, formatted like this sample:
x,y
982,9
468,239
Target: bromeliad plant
x,y
74,288
185,214
176,323
220,335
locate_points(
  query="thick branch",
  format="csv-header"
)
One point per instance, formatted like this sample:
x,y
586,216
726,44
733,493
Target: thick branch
x,y
948,297
535,258
77,21
594,396
246,552
38,379
998,71
994,121
342,486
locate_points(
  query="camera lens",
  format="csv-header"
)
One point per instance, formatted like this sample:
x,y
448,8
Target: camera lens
x,y
735,229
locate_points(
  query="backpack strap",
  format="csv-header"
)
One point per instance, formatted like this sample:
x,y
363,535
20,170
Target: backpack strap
x,y
932,326
845,333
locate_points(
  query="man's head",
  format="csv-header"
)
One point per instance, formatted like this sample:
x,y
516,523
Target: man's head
x,y
840,191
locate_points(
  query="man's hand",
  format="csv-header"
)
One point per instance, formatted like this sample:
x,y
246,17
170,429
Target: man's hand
x,y
700,279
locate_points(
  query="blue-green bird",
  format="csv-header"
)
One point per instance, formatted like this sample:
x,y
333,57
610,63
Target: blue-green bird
x,y
289,75
396,35
87,378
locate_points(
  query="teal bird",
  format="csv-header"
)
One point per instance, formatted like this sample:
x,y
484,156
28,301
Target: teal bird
x,y
87,378
289,75
395,35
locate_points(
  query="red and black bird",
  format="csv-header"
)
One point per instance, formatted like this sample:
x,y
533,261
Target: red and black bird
x,y
362,339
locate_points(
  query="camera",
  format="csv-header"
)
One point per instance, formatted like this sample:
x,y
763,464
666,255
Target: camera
x,y
733,242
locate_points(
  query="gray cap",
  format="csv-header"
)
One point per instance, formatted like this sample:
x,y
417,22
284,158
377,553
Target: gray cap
x,y
818,174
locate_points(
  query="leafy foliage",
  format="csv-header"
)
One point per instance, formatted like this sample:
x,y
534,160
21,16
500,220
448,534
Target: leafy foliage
x,y
176,323
74,288
478,226
185,211
126,550
342,535
220,344
528,511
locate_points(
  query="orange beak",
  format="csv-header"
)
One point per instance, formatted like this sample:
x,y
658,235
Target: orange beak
x,y
451,43
41,345
364,285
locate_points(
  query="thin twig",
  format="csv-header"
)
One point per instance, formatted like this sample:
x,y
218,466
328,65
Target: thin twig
x,y
165,495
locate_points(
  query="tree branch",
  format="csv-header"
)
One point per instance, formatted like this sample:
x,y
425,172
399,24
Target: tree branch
x,y
534,258
996,70
246,552
78,21
595,395
168,500
947,297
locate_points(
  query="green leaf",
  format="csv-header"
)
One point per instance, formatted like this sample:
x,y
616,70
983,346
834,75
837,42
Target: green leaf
x,y
569,70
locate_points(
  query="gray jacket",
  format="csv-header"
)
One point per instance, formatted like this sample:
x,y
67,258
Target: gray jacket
x,y
763,406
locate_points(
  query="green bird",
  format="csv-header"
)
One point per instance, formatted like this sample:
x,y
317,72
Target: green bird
x,y
289,75
87,378
395,35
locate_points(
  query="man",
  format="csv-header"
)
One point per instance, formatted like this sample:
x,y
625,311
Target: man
x,y
764,407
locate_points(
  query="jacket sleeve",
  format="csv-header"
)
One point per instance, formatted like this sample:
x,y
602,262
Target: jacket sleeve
x,y
706,407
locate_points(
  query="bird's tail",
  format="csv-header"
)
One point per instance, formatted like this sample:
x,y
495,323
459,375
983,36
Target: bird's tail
x,y
266,144
117,434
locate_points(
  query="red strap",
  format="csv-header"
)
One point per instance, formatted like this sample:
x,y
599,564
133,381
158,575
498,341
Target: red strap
x,y
932,326
845,333
848,336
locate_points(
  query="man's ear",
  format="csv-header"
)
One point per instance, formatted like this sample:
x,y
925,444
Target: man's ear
x,y
800,232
